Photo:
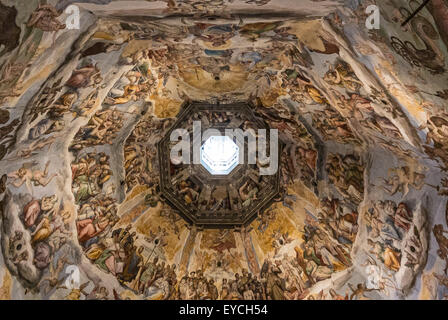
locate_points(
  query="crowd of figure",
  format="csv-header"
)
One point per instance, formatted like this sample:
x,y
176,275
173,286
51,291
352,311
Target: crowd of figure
x,y
47,222
102,128
333,126
388,225
346,173
140,152
299,155
97,211
328,239
153,278
356,106
137,84
437,138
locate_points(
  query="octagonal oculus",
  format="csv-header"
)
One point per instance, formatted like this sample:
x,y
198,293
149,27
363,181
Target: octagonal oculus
x,y
219,155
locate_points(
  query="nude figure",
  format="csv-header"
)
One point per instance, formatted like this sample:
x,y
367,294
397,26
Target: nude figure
x,y
35,145
401,180
53,276
30,177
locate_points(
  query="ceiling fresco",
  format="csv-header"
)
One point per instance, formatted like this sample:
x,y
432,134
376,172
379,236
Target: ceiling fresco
x,y
362,176
228,198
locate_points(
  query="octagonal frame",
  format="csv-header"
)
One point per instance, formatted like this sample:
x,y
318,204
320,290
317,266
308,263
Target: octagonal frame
x,y
233,218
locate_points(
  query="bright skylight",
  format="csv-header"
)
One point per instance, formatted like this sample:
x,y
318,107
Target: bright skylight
x,y
219,155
